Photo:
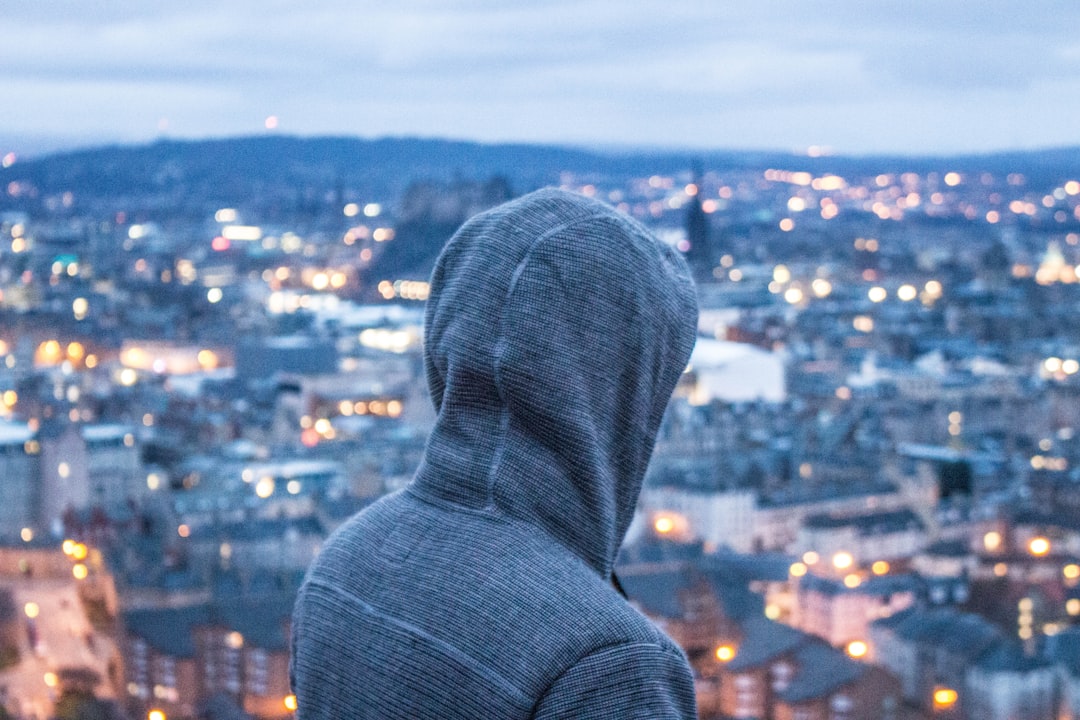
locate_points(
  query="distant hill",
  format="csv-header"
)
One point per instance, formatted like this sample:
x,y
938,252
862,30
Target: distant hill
x,y
293,172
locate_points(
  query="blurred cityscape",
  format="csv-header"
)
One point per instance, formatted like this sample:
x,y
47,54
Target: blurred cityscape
x,y
863,504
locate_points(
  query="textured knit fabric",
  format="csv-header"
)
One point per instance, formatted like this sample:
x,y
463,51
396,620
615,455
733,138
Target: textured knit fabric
x,y
555,333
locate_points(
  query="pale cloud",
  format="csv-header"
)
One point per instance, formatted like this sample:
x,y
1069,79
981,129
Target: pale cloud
x,y
764,73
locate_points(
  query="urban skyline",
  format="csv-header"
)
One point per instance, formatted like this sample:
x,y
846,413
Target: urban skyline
x,y
862,489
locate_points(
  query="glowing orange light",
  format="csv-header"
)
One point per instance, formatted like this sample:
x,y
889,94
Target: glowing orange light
x,y
857,648
725,653
944,697
1039,546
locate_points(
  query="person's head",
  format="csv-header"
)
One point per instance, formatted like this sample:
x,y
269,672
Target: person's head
x,y
556,330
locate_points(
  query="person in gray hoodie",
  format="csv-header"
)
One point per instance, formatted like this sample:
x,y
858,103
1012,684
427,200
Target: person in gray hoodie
x,y
555,332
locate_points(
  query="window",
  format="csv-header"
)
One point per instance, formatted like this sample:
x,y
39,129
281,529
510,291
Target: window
x,y
781,675
841,707
257,672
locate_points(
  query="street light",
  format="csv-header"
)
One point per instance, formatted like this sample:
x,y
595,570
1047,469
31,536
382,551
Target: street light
x,y
1039,546
857,648
944,698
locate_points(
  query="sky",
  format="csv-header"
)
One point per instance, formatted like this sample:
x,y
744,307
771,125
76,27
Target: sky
x,y
852,77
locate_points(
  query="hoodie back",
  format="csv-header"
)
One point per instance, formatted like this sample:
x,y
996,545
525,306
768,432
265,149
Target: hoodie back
x,y
556,330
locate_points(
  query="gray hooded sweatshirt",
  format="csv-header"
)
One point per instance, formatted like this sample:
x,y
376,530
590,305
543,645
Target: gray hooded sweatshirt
x,y
555,333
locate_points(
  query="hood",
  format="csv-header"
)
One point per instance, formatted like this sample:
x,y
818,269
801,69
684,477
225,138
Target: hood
x,y
555,332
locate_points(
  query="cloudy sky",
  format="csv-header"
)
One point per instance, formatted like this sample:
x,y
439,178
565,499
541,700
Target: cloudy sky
x,y
898,76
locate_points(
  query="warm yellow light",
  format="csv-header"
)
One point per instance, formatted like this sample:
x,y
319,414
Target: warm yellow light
x,y
952,179
880,567
79,571
842,560
26,534
907,293
234,640
32,610
155,715
857,648
1071,571
207,359
772,611
877,294
1039,546
1001,569
992,540
852,581
944,697
664,525
265,487
933,288
863,323
1072,606
781,274
797,569
810,557
290,702
725,653
68,547
794,296
51,679
79,551
821,287
79,307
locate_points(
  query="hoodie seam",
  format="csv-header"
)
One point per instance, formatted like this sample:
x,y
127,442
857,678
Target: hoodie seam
x,y
501,345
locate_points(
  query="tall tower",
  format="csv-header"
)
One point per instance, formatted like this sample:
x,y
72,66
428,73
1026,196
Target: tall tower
x,y
701,254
